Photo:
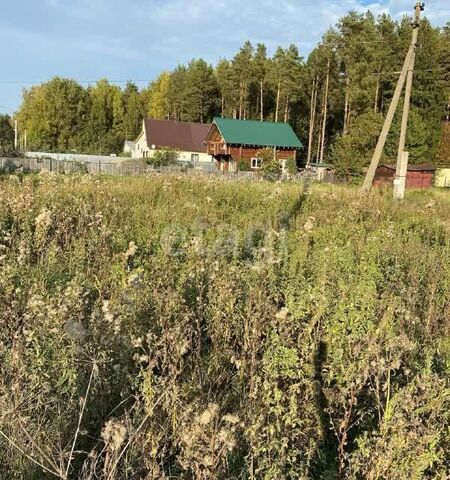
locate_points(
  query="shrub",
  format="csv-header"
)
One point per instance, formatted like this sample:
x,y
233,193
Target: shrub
x,y
291,166
244,166
163,157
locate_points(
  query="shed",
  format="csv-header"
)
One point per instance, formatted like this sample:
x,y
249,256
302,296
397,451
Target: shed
x,y
129,147
417,176
442,178
230,141
323,171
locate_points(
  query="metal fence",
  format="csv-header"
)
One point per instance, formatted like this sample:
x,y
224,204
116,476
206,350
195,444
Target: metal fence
x,y
65,166
76,157
137,168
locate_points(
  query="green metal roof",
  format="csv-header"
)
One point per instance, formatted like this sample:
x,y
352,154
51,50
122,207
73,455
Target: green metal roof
x,y
254,132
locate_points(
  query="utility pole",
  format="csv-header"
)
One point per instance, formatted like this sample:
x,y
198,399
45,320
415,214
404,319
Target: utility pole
x,y
394,103
399,186
312,115
15,134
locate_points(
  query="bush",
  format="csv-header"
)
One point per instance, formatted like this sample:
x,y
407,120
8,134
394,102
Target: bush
x,y
269,165
291,166
163,157
244,166
9,151
8,167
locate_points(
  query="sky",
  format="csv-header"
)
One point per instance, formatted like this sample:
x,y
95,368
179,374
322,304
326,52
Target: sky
x,y
137,39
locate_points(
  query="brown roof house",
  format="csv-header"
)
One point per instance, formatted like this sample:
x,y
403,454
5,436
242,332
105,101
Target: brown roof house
x,y
417,176
186,137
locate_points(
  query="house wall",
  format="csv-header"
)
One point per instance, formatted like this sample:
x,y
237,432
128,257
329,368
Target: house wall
x,y
185,156
237,154
247,153
141,146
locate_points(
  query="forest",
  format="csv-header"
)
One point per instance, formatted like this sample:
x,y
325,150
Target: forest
x,y
346,82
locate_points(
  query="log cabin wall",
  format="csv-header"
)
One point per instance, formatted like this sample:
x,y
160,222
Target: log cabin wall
x,y
247,153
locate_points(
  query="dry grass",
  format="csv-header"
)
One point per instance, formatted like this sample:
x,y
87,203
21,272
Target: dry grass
x,y
177,327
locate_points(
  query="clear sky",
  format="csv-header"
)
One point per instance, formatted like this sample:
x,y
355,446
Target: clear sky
x,y
136,39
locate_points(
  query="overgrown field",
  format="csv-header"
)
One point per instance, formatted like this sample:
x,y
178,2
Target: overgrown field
x,y
181,328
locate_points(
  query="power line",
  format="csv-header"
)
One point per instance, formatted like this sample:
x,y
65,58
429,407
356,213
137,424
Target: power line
x,y
32,82
7,108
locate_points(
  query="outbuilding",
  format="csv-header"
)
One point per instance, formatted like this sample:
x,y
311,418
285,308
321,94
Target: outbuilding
x,y
417,176
129,147
232,141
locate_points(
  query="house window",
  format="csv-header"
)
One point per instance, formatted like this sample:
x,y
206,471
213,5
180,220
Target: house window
x,y
256,163
194,157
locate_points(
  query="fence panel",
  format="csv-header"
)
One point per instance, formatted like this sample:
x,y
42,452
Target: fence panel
x,y
131,168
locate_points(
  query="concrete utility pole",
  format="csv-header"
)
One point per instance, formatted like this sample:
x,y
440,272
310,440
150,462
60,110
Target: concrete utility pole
x,y
406,70
312,117
400,178
399,186
15,134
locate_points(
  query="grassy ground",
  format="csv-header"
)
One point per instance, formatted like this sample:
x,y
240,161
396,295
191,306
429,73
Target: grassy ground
x,y
183,328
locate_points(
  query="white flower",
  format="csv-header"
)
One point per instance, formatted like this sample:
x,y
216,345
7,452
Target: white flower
x,y
43,220
209,414
131,252
282,314
114,435
109,317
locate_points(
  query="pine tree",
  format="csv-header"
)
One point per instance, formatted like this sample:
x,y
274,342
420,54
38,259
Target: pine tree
x,y
243,75
224,76
292,78
275,77
260,64
177,93
202,92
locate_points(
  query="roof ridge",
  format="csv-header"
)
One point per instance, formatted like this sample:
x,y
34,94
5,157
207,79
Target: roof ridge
x,y
176,121
252,120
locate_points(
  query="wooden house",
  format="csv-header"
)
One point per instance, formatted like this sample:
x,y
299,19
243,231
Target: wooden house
x,y
232,141
417,176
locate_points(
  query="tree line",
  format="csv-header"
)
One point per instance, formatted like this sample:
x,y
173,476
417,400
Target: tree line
x,y
335,99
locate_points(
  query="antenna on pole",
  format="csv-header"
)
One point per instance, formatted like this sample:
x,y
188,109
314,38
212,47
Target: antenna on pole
x,y
405,75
